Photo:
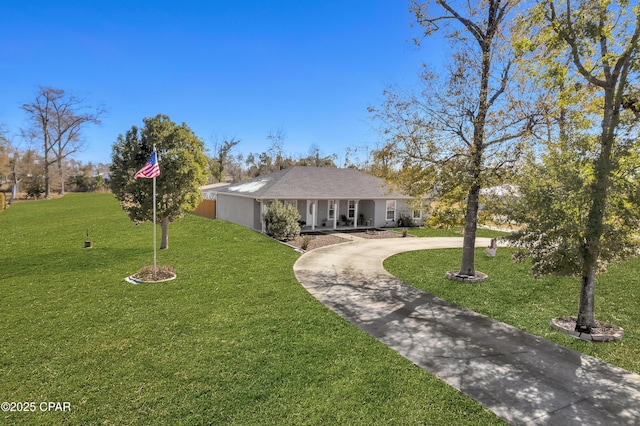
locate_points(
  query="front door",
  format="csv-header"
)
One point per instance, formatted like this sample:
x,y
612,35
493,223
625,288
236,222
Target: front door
x,y
311,212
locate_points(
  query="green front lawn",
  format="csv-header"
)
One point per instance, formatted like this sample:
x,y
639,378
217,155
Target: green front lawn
x,y
443,232
513,296
233,340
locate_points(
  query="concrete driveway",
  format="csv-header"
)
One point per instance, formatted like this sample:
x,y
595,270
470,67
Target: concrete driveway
x,y
522,378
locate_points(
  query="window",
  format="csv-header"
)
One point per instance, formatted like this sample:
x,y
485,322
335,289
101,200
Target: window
x,y
391,209
417,214
331,210
352,209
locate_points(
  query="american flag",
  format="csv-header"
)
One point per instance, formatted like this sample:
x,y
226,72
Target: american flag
x,y
151,169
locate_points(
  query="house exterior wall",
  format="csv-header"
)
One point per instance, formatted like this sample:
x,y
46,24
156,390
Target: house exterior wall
x,y
406,209
367,211
343,209
238,210
322,211
403,208
380,216
257,215
302,209
246,211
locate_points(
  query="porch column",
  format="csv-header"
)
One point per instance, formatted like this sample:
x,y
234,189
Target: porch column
x,y
355,214
335,214
313,215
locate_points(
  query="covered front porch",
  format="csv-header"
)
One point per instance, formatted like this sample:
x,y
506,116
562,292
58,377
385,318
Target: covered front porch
x,y
341,214
336,214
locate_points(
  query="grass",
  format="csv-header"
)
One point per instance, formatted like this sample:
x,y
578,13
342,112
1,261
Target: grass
x,y
513,296
443,232
233,340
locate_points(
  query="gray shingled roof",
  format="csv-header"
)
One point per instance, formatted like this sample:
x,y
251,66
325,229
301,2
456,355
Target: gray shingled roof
x,y
314,183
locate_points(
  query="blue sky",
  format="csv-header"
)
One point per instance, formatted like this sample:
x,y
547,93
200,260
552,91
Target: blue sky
x,y
226,68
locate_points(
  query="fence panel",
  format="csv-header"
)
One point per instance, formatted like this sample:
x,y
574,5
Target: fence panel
x,y
207,208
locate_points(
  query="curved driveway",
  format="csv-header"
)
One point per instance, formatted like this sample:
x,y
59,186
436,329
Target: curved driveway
x,y
522,378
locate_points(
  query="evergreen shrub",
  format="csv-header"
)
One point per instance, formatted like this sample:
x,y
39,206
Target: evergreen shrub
x,y
281,220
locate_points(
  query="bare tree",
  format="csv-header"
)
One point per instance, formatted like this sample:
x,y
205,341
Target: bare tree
x,y
219,163
57,119
276,149
467,127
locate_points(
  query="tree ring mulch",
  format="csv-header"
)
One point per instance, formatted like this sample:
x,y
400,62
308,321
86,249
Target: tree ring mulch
x,y
603,332
463,278
162,274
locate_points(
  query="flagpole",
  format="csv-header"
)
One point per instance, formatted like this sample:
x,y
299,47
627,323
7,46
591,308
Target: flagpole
x,y
151,170
154,223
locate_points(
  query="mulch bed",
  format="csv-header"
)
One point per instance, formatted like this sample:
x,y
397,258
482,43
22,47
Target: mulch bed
x,y
321,240
163,273
317,241
603,332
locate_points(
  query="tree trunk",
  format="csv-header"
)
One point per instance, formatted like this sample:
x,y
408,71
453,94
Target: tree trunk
x,y
471,216
164,224
470,225
14,180
47,184
594,229
586,311
47,150
61,175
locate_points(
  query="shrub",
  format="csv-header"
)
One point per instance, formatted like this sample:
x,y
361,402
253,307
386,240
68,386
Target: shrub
x,y
3,201
34,189
406,222
281,220
304,245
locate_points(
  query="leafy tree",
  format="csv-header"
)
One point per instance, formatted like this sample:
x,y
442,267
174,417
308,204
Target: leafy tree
x,y
183,169
552,202
587,54
465,129
57,118
281,220
33,185
85,179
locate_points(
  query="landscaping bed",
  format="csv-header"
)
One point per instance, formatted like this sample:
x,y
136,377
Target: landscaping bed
x,y
321,239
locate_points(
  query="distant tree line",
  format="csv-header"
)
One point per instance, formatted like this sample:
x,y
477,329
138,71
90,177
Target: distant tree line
x,y
22,173
53,135
227,165
39,161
